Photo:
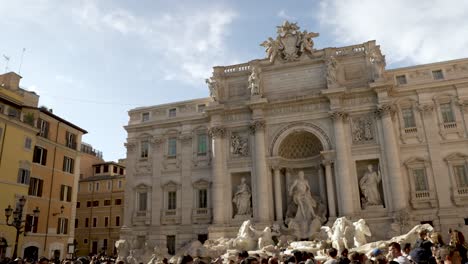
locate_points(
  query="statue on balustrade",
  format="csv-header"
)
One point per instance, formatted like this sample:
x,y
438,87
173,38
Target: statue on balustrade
x,y
242,199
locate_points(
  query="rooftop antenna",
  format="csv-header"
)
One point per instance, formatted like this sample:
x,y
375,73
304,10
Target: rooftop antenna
x,y
7,60
21,61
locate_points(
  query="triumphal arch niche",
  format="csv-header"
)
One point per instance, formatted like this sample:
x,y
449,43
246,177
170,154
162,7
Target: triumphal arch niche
x,y
299,138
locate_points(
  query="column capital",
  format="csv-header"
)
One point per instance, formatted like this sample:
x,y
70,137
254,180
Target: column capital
x,y
257,125
385,109
338,114
217,132
131,146
157,140
327,162
185,138
425,107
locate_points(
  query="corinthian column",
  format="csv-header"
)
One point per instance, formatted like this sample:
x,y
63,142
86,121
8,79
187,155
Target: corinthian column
x,y
217,136
345,193
260,176
392,155
278,195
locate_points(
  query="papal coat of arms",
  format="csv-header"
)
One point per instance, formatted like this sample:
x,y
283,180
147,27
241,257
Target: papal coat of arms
x,y
290,43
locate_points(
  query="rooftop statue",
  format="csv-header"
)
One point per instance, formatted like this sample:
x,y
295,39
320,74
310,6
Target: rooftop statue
x,y
290,43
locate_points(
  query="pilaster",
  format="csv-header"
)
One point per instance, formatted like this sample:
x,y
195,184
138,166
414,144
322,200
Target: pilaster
x,y
217,134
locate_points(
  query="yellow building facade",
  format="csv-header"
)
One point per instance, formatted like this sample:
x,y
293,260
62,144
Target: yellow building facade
x,y
100,209
17,140
40,161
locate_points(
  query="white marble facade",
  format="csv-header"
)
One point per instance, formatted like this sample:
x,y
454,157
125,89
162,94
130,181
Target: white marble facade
x,y
390,146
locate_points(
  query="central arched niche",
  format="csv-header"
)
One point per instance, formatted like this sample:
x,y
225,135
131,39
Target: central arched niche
x,y
300,145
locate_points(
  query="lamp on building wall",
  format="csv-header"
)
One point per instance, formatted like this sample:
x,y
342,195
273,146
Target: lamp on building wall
x,y
17,221
62,208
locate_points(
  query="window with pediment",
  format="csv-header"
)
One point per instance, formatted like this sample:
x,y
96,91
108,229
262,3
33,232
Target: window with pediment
x,y
142,200
201,193
421,182
300,145
409,120
171,190
448,115
458,171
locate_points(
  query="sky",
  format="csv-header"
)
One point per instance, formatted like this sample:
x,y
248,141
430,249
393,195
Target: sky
x,y
92,61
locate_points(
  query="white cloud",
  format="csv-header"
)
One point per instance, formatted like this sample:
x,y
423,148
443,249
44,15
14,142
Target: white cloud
x,y
189,43
408,31
282,14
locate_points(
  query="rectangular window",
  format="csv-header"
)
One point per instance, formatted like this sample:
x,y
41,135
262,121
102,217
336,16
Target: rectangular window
x,y
68,164
97,169
118,201
87,222
447,113
401,79
70,140
94,222
23,176
88,203
202,144
40,155
95,203
65,193
201,108
106,168
144,149
107,202
420,181
35,187
438,75
408,117
27,143
121,171
142,201
96,186
172,147
117,221
170,243
76,222
145,117
13,112
90,187
114,169
31,223
109,185
203,198
172,200
78,204
172,112
461,175
106,221
62,226
43,128
119,184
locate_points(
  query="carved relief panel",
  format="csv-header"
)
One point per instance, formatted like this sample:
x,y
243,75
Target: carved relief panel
x,y
363,129
239,144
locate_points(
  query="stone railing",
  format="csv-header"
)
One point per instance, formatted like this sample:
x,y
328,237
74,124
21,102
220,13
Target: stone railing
x,y
450,125
411,130
462,191
171,217
201,215
350,50
422,195
236,68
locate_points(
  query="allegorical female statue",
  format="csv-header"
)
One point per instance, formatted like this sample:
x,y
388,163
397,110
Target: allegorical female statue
x,y
242,199
300,192
369,185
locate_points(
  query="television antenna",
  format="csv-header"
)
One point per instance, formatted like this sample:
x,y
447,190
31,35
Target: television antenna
x,y
7,60
21,61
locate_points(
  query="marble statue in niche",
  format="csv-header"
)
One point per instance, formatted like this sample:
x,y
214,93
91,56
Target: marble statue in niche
x,y
242,198
370,187
378,64
239,145
331,72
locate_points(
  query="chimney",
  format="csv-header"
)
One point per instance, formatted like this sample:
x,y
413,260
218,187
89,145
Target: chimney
x,y
10,80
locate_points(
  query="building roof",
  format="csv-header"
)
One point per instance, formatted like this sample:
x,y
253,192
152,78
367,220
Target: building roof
x,y
47,112
102,177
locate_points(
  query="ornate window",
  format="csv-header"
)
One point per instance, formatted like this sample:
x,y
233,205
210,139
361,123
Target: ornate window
x,y
401,79
145,117
172,147
449,116
172,112
202,144
438,75
410,122
447,113
458,170
201,207
171,205
408,118
142,204
144,149
421,183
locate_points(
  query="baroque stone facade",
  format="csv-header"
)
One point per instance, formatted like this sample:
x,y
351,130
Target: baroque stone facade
x,y
389,146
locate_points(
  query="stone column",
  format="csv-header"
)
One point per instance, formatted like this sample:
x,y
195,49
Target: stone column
x,y
157,196
345,199
262,211
278,194
129,200
392,155
186,195
330,189
321,180
218,174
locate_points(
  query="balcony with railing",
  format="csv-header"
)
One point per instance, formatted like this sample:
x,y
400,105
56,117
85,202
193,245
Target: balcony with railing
x,y
460,195
450,125
201,215
411,130
171,217
141,217
423,199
